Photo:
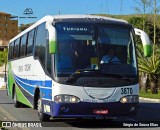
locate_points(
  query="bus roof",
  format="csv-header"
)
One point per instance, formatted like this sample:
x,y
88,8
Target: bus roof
x,y
51,19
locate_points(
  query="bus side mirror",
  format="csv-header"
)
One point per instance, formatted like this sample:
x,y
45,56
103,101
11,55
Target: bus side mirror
x,y
52,47
52,37
147,47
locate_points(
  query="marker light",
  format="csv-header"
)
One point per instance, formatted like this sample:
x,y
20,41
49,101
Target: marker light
x,y
66,99
130,99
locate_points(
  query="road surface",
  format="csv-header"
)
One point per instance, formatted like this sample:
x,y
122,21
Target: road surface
x,y
148,111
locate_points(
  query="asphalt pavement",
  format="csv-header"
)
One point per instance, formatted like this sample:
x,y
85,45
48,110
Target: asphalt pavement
x,y
148,111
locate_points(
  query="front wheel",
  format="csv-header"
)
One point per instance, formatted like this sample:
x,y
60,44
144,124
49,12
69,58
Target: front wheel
x,y
42,116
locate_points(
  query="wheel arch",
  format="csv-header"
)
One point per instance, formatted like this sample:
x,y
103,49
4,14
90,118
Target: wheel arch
x,y
36,95
13,90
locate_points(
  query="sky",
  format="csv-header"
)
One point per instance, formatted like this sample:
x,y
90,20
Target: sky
x,y
42,8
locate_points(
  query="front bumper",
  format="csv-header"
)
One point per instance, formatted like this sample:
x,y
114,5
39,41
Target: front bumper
x,y
85,109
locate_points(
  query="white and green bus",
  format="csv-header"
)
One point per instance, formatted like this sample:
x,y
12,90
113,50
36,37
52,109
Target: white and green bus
x,y
61,66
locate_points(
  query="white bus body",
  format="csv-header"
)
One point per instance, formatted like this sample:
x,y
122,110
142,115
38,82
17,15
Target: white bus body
x,y
56,63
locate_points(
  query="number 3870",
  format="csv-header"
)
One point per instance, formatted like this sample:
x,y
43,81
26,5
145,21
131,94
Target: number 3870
x,y
126,91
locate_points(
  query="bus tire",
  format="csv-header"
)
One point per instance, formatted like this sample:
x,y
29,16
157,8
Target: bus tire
x,y
41,115
16,103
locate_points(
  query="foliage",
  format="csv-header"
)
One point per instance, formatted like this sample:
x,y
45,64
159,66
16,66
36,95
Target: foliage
x,y
142,6
137,22
23,27
150,65
149,94
4,60
3,57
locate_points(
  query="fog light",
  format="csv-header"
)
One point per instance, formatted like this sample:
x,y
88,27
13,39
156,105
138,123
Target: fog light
x,y
132,109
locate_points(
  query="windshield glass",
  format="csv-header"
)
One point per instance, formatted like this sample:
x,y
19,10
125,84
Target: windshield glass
x,y
94,47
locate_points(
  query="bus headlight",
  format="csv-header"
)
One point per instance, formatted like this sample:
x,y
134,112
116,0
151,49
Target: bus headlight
x,y
130,99
66,99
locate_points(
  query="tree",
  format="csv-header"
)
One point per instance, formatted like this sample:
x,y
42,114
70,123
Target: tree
x,y
142,8
150,7
4,60
155,9
150,66
23,27
137,22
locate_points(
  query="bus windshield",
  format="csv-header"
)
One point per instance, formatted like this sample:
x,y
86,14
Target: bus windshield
x,y
107,48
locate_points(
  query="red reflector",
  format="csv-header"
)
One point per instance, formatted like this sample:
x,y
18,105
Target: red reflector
x,y
101,111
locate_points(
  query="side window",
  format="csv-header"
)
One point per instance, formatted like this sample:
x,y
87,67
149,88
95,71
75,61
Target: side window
x,y
30,42
40,44
10,55
23,45
16,48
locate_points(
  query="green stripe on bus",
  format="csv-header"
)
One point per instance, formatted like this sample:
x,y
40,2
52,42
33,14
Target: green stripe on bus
x,y
10,79
21,98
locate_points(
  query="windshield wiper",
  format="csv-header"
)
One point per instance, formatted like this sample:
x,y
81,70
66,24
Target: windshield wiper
x,y
119,76
79,73
73,77
83,72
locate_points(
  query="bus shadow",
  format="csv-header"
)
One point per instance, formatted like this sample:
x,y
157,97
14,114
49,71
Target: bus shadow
x,y
24,106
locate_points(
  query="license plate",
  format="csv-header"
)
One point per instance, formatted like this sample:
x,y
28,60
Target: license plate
x,y
100,111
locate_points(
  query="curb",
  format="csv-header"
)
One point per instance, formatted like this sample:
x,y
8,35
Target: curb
x,y
150,99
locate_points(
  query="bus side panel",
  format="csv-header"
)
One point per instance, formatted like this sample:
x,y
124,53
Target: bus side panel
x,y
27,78
13,79
21,96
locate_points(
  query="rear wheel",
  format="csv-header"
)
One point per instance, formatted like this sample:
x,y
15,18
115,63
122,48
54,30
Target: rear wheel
x,y
16,103
42,116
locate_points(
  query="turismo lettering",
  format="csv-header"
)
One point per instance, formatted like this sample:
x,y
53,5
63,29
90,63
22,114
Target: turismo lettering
x,y
74,29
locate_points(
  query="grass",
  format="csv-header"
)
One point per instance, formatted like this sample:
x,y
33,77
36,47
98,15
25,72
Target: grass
x,y
149,94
